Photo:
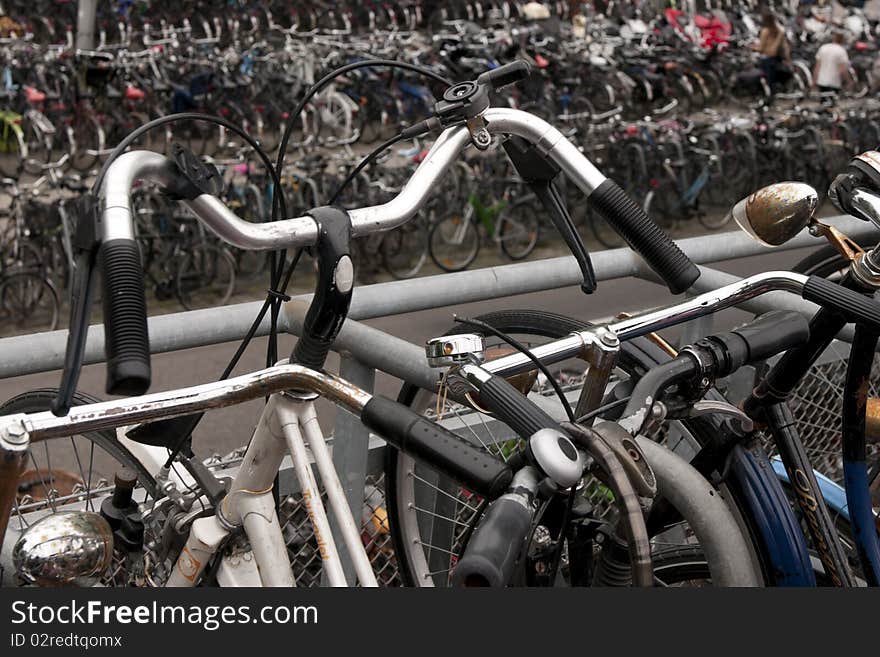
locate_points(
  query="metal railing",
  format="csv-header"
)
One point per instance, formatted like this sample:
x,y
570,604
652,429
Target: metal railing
x,y
363,350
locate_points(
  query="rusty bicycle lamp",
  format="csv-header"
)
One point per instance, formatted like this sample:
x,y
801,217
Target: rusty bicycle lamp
x,y
776,213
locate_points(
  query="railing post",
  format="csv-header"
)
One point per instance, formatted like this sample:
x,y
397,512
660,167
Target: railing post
x,y
85,24
351,442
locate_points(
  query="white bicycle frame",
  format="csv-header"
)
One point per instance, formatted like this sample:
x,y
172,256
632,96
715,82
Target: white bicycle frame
x,y
287,425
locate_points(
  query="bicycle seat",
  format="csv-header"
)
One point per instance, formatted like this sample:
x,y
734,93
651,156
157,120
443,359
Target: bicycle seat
x,y
34,96
133,93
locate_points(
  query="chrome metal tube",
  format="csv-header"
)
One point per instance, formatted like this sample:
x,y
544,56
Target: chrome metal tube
x,y
268,236
867,203
172,403
654,320
707,303
115,193
302,231
13,455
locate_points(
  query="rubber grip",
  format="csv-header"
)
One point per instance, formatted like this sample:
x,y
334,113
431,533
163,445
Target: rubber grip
x,y
852,305
644,236
513,408
506,74
427,441
772,333
492,552
126,341
762,338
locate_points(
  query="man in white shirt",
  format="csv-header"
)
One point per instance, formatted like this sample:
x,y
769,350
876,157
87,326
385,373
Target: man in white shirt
x,y
832,65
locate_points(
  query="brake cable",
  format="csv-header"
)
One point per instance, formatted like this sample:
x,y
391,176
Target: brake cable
x,y
281,272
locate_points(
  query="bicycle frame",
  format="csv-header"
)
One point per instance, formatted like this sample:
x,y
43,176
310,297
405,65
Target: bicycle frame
x,y
288,424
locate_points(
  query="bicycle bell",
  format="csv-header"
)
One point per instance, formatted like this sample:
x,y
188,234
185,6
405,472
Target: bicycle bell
x,y
448,350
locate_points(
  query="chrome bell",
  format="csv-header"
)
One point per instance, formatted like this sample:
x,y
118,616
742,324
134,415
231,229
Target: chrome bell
x,y
68,548
449,350
776,213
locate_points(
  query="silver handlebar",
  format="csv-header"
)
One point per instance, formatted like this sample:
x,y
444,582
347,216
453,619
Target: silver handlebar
x,y
116,188
652,320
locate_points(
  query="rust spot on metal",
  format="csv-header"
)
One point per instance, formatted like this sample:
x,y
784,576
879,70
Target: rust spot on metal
x,y
845,246
780,211
872,421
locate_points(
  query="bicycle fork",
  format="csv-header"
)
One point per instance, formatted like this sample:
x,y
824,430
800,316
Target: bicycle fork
x,y
286,426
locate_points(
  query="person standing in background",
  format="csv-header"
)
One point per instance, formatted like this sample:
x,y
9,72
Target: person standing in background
x,y
773,46
831,71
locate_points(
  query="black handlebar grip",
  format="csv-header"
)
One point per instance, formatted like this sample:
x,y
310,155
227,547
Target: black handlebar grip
x,y
772,333
768,335
513,408
855,307
476,469
644,236
494,548
126,341
507,74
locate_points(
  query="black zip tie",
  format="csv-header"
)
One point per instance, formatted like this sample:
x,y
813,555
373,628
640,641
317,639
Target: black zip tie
x,y
275,294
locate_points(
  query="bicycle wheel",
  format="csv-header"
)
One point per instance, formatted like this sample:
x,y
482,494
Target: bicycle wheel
x,y
29,302
269,126
453,242
69,473
13,151
683,567
518,229
205,277
88,139
431,517
404,250
248,204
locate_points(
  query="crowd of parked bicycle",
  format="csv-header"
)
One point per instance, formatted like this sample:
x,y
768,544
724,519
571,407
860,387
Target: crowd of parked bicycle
x,y
677,108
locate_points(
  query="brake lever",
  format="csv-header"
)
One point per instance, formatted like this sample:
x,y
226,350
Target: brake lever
x,y
85,244
539,173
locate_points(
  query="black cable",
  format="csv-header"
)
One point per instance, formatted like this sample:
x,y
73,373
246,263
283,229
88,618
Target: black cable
x,y
557,553
239,352
123,145
293,116
525,351
363,164
602,409
280,273
342,70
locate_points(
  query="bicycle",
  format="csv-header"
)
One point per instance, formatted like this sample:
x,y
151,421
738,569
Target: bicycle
x,y
201,513
510,220
250,500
